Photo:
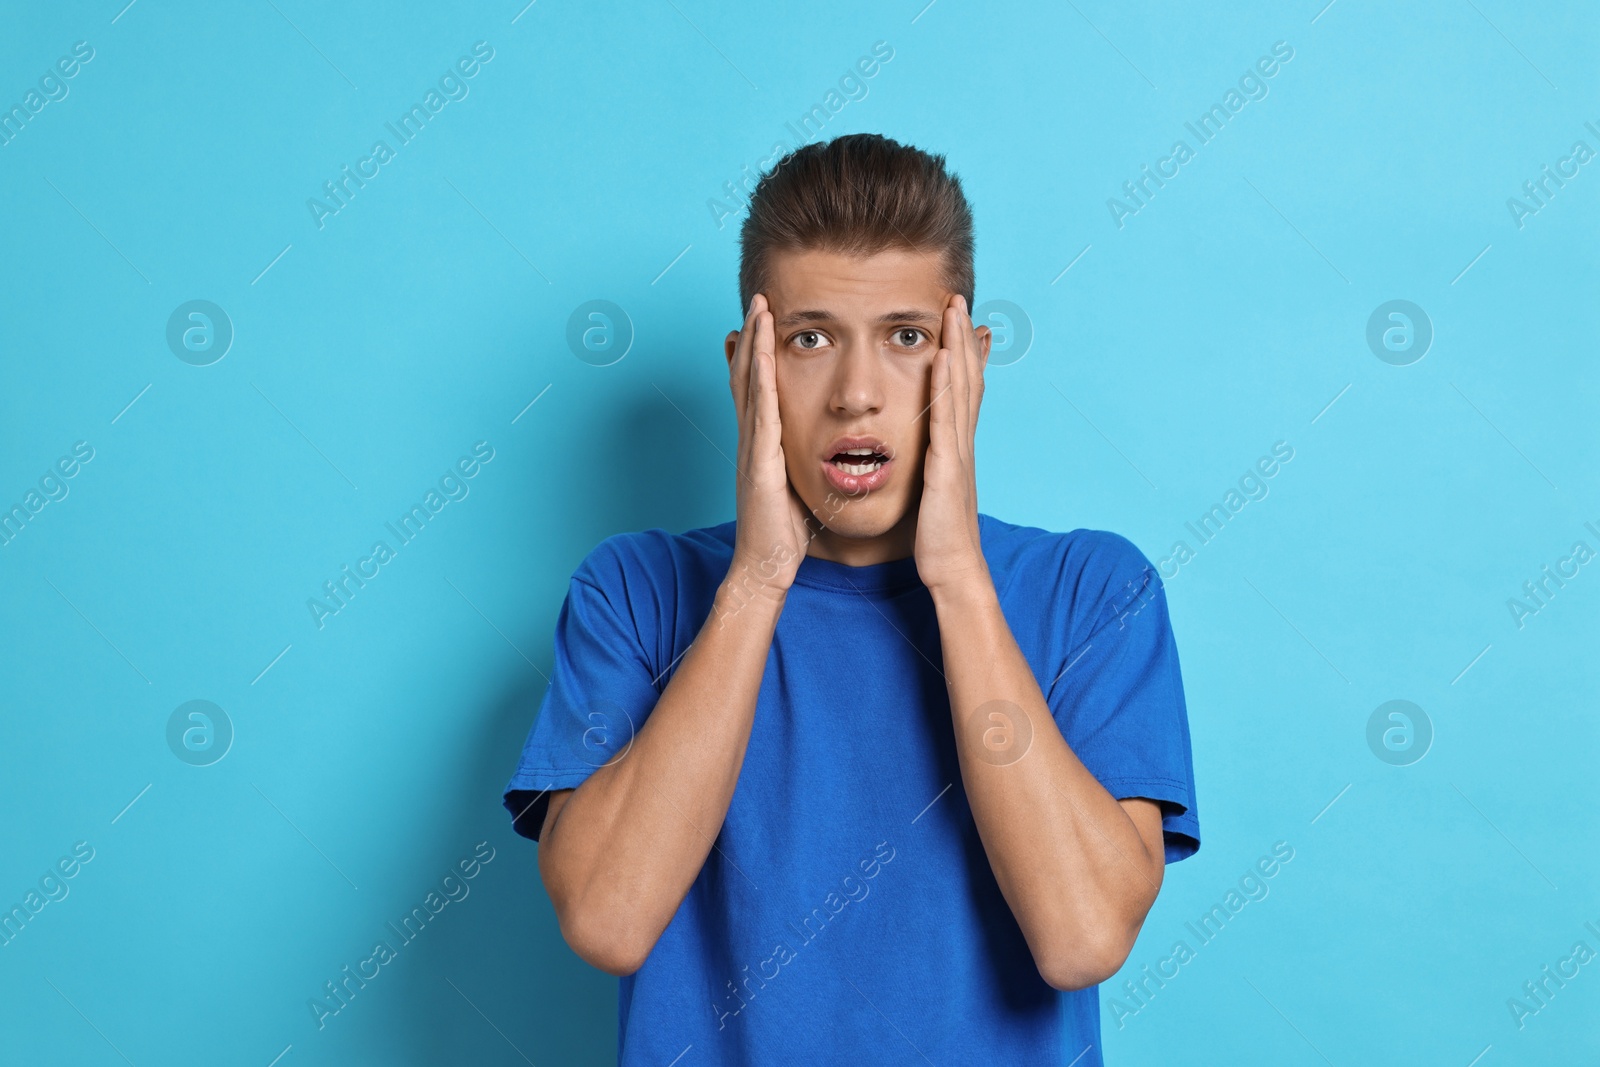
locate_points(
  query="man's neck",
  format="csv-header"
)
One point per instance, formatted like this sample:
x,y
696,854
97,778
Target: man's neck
x,y
898,542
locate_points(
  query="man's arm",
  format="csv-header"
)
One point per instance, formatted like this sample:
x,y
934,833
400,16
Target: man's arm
x,y
1079,868
618,854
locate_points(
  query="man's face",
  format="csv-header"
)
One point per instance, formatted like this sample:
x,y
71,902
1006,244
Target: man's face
x,y
854,339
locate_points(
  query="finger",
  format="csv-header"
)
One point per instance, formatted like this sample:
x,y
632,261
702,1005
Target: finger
x,y
976,365
745,384
969,384
766,437
738,367
739,380
768,425
956,344
752,442
941,407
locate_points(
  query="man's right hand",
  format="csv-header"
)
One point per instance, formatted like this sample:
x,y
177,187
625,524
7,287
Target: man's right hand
x,y
619,853
772,535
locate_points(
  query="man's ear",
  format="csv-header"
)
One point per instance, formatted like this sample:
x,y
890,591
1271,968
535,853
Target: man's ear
x,y
985,338
731,343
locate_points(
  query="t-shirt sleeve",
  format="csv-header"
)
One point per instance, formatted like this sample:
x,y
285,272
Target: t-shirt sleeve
x,y
1118,693
601,690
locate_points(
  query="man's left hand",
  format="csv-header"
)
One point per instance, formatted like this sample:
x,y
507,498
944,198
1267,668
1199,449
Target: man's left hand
x,y
948,550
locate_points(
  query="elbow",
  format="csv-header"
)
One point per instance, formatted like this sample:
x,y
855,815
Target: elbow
x,y
595,931
1075,950
608,934
602,945
1083,963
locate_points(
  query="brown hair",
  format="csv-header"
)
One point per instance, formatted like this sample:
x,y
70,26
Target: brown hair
x,y
858,194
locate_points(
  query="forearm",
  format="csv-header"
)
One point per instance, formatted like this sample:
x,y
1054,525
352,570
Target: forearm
x,y
1068,859
629,842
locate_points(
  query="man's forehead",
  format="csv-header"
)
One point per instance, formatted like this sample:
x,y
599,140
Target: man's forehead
x,y
813,286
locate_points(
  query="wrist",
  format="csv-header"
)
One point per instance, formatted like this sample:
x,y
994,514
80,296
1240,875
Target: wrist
x,y
971,588
750,586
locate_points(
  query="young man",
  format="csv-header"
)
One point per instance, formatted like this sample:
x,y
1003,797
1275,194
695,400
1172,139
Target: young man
x,y
865,775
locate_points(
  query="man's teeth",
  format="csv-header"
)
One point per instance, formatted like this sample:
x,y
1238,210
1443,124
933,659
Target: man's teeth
x,y
868,467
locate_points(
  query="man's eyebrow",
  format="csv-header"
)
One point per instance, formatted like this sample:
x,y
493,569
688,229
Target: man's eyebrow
x,y
917,315
921,315
795,318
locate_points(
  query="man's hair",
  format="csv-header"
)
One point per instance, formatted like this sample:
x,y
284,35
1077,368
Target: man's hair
x,y
858,194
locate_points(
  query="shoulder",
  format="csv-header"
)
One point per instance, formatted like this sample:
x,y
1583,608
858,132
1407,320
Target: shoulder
x,y
1096,572
652,584
656,558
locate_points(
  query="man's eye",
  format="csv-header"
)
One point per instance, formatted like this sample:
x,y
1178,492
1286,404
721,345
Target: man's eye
x,y
809,339
908,336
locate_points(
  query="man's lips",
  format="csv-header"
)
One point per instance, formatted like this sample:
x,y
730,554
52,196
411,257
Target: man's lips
x,y
858,463
847,442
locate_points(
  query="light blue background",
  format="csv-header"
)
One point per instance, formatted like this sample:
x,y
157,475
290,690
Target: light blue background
x,y
427,314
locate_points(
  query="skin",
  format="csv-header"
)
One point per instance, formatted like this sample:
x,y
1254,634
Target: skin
x,y
817,357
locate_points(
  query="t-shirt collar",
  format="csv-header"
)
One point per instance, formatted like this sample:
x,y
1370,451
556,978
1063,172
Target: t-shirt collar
x,y
893,576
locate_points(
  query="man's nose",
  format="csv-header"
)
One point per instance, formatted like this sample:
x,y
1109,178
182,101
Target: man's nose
x,y
858,385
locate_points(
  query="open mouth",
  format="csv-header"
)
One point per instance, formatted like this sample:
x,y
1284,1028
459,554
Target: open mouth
x,y
859,461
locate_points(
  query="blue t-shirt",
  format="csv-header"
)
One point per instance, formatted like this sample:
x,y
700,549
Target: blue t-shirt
x,y
848,910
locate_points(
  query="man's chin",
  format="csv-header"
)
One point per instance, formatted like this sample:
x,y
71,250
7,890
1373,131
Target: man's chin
x,y
860,520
